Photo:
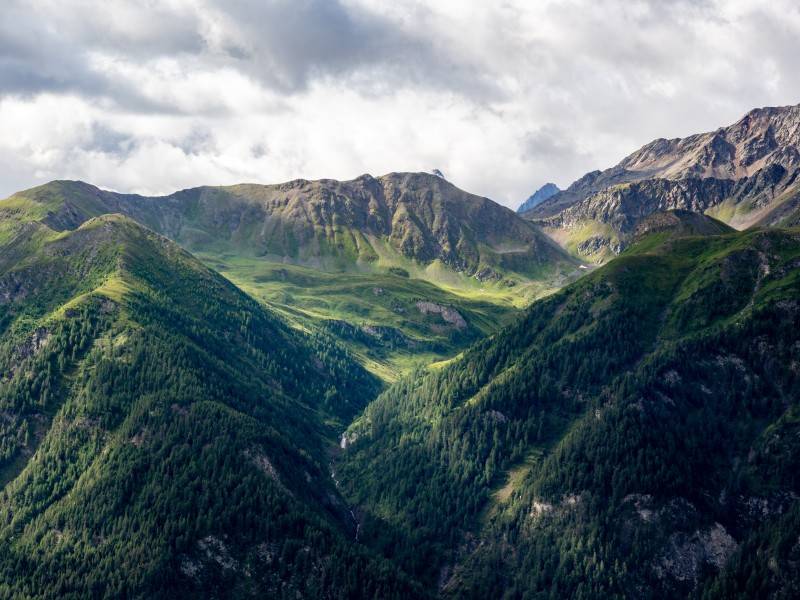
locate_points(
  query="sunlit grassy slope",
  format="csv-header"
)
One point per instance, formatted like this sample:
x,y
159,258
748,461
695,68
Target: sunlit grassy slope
x,y
383,318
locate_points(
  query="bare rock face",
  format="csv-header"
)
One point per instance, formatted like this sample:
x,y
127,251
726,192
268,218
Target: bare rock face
x,y
31,347
450,315
687,555
744,174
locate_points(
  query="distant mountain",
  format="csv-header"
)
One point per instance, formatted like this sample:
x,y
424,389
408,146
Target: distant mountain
x,y
633,436
543,193
744,174
399,219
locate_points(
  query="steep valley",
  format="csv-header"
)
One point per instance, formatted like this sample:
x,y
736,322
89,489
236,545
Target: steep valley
x,y
364,300
404,427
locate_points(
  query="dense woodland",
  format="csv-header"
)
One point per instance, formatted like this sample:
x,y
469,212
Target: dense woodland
x,y
162,434
180,435
661,380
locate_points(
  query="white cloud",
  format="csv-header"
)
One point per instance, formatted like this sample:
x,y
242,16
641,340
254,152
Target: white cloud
x,y
156,96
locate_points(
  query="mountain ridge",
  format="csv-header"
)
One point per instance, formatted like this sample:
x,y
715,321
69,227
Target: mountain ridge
x,y
588,450
163,434
395,243
744,174
418,216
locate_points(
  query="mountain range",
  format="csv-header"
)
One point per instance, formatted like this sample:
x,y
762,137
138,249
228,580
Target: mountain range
x,y
391,388
745,174
337,225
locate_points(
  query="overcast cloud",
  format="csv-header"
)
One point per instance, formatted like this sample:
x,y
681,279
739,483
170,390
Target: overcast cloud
x,y
154,96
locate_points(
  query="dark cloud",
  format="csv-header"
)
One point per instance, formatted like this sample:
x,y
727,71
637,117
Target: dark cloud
x,y
290,43
110,141
284,44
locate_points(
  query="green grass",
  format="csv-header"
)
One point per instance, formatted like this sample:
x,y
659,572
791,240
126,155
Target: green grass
x,y
311,300
571,238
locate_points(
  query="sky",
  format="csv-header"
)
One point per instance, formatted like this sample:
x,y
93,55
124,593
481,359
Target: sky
x,y
153,96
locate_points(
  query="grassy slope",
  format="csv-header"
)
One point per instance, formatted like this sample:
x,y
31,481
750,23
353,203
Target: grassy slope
x,y
515,470
374,314
163,435
250,234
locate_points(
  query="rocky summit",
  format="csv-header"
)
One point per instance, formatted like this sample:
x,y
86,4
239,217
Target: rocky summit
x,y
745,174
548,190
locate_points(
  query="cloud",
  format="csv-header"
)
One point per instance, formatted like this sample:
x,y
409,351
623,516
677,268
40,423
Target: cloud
x,y
154,96
289,43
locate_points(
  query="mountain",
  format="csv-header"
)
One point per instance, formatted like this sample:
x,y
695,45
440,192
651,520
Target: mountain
x,y
745,174
400,219
634,435
548,190
676,224
162,434
422,269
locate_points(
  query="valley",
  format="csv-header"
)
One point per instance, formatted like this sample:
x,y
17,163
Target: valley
x,y
389,387
382,318
353,260
360,300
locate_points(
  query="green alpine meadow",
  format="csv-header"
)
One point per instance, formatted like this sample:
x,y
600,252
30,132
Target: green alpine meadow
x,y
363,300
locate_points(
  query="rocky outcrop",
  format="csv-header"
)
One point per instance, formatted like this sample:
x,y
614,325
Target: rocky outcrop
x,y
449,315
686,556
622,206
421,216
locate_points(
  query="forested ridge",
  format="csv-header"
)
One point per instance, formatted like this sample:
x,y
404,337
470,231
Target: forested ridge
x,y
163,435
630,436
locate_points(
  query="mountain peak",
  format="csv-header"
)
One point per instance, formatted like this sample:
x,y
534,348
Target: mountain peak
x,y
548,190
745,174
420,217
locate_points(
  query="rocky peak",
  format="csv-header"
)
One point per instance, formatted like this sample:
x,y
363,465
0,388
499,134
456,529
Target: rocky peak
x,y
746,173
543,193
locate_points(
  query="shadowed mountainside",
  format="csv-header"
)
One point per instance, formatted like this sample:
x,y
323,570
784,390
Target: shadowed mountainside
x,y
634,435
